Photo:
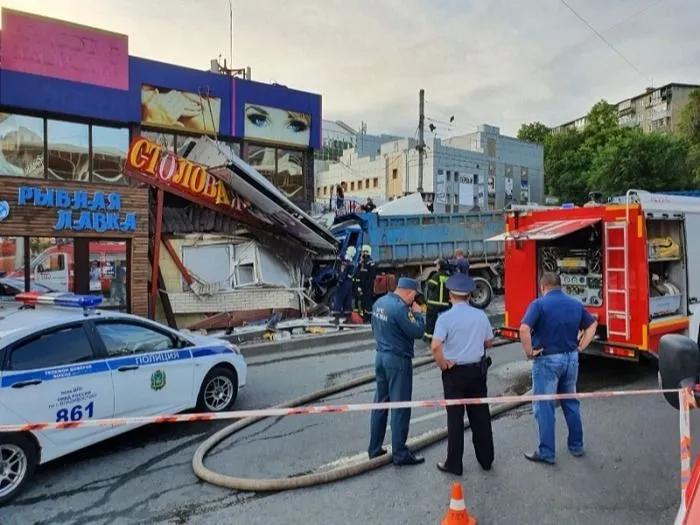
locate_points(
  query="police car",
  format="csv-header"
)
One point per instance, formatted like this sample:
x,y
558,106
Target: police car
x,y
63,360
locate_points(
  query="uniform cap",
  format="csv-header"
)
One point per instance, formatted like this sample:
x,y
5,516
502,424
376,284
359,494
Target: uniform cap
x,y
460,284
408,284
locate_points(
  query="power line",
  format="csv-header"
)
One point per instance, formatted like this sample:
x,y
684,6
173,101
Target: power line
x,y
600,35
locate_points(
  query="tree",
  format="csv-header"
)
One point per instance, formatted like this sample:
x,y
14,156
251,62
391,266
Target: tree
x,y
654,162
690,118
566,163
535,132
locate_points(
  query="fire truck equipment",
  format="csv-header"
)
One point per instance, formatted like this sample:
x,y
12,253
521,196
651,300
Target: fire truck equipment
x,y
628,263
664,248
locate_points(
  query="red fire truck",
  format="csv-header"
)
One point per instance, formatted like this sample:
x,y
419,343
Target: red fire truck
x,y
630,262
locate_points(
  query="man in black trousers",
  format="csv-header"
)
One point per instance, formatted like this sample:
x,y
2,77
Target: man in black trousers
x,y
459,344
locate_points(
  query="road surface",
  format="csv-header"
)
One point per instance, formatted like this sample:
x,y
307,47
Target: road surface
x,y
630,474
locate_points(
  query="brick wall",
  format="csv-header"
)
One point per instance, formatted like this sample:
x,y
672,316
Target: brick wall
x,y
239,300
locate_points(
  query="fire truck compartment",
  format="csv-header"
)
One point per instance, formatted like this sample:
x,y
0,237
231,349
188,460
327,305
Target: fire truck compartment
x,y
668,279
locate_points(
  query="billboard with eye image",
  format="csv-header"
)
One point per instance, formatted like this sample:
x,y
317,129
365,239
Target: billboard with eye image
x,y
278,126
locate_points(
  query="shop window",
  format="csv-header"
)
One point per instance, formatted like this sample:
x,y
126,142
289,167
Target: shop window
x,y
52,263
12,268
108,273
264,160
21,146
210,264
66,346
67,150
165,140
109,148
290,173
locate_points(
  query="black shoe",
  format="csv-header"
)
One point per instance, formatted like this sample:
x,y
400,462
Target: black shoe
x,y
411,460
442,466
535,457
381,453
485,467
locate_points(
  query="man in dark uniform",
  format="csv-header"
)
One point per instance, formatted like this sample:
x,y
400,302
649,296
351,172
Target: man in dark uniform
x,y
461,263
436,296
363,284
397,322
459,346
343,297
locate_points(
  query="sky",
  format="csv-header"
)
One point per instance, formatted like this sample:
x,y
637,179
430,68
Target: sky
x,y
500,62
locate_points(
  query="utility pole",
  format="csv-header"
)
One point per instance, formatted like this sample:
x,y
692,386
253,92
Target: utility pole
x,y
421,139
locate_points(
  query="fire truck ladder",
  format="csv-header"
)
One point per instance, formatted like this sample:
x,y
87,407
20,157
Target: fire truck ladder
x,y
610,271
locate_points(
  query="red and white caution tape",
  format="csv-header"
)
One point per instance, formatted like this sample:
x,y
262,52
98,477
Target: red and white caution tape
x,y
687,399
323,409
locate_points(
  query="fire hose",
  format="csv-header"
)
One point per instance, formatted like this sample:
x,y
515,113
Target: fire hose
x,y
329,476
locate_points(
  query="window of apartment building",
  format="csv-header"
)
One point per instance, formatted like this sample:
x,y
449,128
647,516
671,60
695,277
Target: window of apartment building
x,y
395,173
359,184
375,182
448,176
367,183
352,186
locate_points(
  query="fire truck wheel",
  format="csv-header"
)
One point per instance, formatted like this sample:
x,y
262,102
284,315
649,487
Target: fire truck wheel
x,y
483,294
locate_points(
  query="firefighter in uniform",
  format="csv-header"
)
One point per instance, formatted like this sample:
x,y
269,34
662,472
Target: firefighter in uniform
x,y
436,296
363,284
342,305
459,347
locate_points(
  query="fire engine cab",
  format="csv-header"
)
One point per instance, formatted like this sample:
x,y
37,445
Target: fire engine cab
x,y
630,261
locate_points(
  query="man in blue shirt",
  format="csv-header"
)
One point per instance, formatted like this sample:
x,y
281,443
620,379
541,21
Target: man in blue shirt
x,y
461,263
549,334
397,322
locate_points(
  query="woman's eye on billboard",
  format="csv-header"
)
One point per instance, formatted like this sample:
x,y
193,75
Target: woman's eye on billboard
x,y
277,125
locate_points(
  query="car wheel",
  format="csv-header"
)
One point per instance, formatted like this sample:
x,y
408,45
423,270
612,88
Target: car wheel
x,y
219,390
18,460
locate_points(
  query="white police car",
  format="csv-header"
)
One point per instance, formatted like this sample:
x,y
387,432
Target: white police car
x,y
67,361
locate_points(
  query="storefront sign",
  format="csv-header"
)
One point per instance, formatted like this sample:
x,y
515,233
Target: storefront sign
x,y
79,210
147,162
56,49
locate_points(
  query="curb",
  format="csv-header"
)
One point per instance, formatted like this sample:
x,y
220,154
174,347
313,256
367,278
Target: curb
x,y
308,342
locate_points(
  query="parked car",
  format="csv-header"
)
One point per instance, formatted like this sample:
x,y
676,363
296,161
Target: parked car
x,y
63,360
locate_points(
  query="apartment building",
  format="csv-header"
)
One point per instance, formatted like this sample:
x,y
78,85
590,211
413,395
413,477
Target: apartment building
x,y
483,169
657,109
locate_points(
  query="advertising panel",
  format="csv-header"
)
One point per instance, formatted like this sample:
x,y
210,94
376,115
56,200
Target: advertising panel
x,y
278,126
180,110
52,48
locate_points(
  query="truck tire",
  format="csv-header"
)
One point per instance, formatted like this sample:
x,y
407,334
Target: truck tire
x,y
483,294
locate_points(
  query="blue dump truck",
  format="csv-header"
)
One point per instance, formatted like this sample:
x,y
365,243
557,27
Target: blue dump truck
x,y
409,245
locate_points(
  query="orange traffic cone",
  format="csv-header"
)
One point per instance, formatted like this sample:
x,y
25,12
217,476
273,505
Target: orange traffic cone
x,y
458,514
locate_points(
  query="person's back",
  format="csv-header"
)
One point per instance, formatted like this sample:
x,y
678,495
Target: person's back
x,y
392,334
559,321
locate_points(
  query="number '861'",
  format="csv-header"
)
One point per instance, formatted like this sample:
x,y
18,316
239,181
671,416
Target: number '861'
x,y
75,413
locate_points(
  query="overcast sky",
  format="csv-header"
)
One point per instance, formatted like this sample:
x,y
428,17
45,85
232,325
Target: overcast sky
x,y
501,62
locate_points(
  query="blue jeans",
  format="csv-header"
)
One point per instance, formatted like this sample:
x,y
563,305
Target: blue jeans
x,y
556,374
394,383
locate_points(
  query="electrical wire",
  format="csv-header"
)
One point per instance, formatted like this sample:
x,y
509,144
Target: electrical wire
x,y
607,42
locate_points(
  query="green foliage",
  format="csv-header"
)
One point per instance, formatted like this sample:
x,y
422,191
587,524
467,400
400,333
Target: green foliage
x,y
535,132
612,159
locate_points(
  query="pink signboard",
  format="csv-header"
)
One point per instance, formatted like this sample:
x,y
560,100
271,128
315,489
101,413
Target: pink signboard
x,y
53,48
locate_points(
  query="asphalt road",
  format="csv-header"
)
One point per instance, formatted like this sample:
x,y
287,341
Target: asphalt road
x,y
630,474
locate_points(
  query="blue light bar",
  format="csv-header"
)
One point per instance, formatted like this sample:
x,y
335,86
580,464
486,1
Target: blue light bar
x,y
59,299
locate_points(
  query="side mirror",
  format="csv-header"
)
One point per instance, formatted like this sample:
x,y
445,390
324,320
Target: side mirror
x,y
679,358
693,300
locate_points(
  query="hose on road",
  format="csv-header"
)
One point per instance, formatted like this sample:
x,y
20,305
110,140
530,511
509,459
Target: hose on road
x,y
317,478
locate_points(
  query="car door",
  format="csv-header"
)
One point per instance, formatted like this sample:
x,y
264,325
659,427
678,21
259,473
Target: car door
x,y
150,374
56,376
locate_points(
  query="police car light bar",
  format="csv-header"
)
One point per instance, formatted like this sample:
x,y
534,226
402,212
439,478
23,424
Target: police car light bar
x,y
59,299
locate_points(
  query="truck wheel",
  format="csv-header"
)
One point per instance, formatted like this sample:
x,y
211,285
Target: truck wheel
x,y
18,460
483,294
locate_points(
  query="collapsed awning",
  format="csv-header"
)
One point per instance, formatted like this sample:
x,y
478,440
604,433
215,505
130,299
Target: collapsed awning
x,y
545,231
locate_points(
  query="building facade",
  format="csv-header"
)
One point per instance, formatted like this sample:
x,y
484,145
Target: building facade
x,y
657,109
483,169
71,218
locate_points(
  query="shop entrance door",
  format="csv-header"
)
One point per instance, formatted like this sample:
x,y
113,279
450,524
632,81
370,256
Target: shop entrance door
x,y
101,268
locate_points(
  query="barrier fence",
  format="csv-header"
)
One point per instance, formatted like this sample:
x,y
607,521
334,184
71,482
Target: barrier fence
x,y
686,398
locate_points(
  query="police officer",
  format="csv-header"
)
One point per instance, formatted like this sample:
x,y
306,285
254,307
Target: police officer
x,y
436,296
363,284
343,297
459,344
397,322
